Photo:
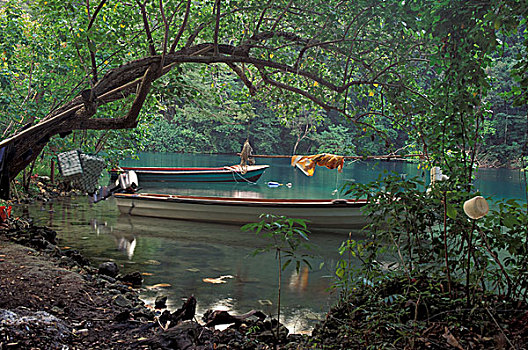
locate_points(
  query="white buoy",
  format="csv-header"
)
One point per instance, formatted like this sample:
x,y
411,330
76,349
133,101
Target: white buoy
x,y
476,207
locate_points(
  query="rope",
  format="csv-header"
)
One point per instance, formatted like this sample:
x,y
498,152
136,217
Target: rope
x,y
336,191
337,178
234,172
132,206
388,157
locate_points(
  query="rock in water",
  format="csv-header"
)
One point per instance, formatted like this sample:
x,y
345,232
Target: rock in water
x,y
134,278
161,302
108,268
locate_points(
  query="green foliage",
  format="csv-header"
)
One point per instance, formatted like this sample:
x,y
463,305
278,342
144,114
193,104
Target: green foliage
x,y
510,18
349,274
427,233
402,217
166,137
23,45
411,62
503,236
337,140
287,238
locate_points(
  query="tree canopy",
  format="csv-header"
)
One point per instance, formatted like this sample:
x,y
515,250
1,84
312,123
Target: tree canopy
x,y
92,65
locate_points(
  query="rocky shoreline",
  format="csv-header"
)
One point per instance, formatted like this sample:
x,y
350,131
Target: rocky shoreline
x,y
52,298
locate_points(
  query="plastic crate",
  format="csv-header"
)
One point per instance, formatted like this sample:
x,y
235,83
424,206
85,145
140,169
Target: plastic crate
x,y
92,167
70,166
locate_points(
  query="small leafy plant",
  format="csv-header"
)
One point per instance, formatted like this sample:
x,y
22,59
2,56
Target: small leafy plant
x,y
286,237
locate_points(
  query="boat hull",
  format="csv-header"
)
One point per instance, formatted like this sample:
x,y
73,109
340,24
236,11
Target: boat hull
x,y
219,174
322,214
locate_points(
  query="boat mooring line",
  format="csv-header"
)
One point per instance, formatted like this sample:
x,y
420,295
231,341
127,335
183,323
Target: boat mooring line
x,y
243,178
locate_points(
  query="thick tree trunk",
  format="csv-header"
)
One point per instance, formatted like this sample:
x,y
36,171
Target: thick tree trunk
x,y
24,147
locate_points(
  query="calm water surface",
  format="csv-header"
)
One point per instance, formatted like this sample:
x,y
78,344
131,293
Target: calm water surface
x,y
182,254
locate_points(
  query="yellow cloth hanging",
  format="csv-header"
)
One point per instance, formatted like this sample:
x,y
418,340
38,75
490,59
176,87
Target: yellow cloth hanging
x,y
307,163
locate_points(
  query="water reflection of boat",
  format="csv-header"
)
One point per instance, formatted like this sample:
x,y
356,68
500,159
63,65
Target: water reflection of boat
x,y
100,227
299,279
181,230
143,227
125,241
234,173
126,244
322,214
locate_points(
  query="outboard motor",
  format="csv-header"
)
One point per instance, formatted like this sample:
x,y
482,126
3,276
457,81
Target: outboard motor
x,y
126,182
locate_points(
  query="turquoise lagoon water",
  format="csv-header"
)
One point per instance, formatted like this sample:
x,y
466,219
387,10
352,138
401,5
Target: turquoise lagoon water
x,y
180,254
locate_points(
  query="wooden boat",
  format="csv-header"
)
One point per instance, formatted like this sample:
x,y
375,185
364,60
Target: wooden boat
x,y
323,214
219,174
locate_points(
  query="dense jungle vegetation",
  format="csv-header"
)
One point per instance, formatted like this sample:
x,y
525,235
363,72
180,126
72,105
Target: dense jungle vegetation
x,y
214,124
206,109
